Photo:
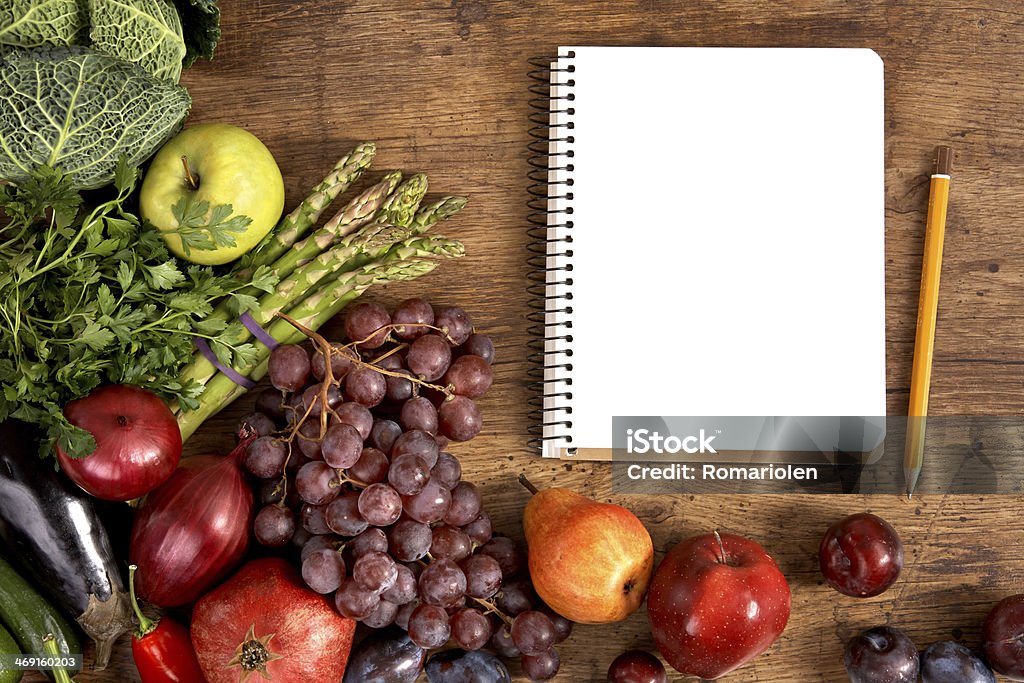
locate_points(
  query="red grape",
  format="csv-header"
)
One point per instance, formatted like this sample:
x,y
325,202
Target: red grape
x,y
419,413
354,601
316,482
362,320
399,388
375,571
380,505
384,433
323,571
313,519
442,583
455,322
429,627
466,504
416,442
383,616
532,632
274,526
371,468
447,470
365,386
483,576
470,629
408,474
428,357
479,345
541,666
507,553
450,543
459,419
430,505
343,515
469,376
342,446
264,457
288,367
415,311
359,416
404,589
373,539
409,540
479,530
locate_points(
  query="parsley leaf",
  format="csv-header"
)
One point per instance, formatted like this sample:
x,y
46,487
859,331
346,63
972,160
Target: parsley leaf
x,y
89,296
203,228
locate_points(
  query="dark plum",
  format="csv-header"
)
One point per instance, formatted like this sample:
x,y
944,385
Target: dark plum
x,y
861,555
385,657
637,666
881,655
457,666
949,662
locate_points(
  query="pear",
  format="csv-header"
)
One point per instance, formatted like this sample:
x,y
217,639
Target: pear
x,y
589,561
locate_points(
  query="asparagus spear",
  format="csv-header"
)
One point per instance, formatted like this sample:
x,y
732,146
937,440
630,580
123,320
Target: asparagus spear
x,y
400,208
313,312
408,194
305,215
438,211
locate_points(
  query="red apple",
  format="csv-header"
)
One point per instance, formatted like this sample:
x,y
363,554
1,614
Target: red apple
x,y
1003,637
715,603
138,443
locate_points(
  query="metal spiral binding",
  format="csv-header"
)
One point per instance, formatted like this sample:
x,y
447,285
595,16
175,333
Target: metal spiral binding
x,y
550,248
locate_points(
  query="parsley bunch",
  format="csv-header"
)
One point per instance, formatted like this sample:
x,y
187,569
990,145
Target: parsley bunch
x,y
90,296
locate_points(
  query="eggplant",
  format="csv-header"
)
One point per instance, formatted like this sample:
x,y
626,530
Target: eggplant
x,y
55,534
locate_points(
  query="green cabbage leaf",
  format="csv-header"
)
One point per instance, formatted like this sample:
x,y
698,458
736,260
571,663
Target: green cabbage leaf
x,y
200,20
147,32
31,23
79,110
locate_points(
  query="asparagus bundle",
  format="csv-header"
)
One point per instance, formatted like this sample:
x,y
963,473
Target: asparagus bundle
x,y
311,275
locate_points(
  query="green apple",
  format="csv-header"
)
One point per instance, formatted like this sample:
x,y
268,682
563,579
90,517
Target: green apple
x,y
193,180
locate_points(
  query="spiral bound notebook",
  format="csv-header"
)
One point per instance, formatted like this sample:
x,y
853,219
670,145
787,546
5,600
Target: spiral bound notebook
x,y
708,237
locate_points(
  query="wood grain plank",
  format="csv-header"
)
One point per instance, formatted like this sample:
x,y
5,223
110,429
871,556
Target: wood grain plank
x,y
441,86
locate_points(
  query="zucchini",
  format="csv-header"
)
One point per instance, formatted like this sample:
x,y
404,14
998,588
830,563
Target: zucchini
x,y
30,617
8,648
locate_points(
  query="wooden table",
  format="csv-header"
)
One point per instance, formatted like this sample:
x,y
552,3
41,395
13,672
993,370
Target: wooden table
x,y
441,86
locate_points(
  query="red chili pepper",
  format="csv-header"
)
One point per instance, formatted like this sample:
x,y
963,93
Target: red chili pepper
x,y
163,648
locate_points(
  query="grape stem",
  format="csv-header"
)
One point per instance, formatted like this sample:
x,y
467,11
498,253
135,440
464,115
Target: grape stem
x,y
491,608
328,351
528,484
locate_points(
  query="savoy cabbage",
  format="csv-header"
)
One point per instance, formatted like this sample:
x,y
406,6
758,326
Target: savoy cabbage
x,y
79,110
147,32
30,23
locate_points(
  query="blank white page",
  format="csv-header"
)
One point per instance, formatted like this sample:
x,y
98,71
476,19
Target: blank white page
x,y
728,235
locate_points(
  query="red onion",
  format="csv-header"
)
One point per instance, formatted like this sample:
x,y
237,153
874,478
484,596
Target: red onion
x,y
193,530
138,443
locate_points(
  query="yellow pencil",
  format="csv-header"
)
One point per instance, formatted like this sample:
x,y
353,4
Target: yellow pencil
x,y
924,341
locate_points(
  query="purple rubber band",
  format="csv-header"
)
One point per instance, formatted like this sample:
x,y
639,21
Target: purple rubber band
x,y
258,331
205,349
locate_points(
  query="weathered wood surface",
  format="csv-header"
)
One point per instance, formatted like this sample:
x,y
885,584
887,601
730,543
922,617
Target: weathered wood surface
x,y
441,86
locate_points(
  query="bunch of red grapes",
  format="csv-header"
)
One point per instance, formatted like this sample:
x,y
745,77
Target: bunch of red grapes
x,y
355,475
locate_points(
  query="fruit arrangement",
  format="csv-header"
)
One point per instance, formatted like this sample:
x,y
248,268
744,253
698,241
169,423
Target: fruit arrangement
x,y
339,540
